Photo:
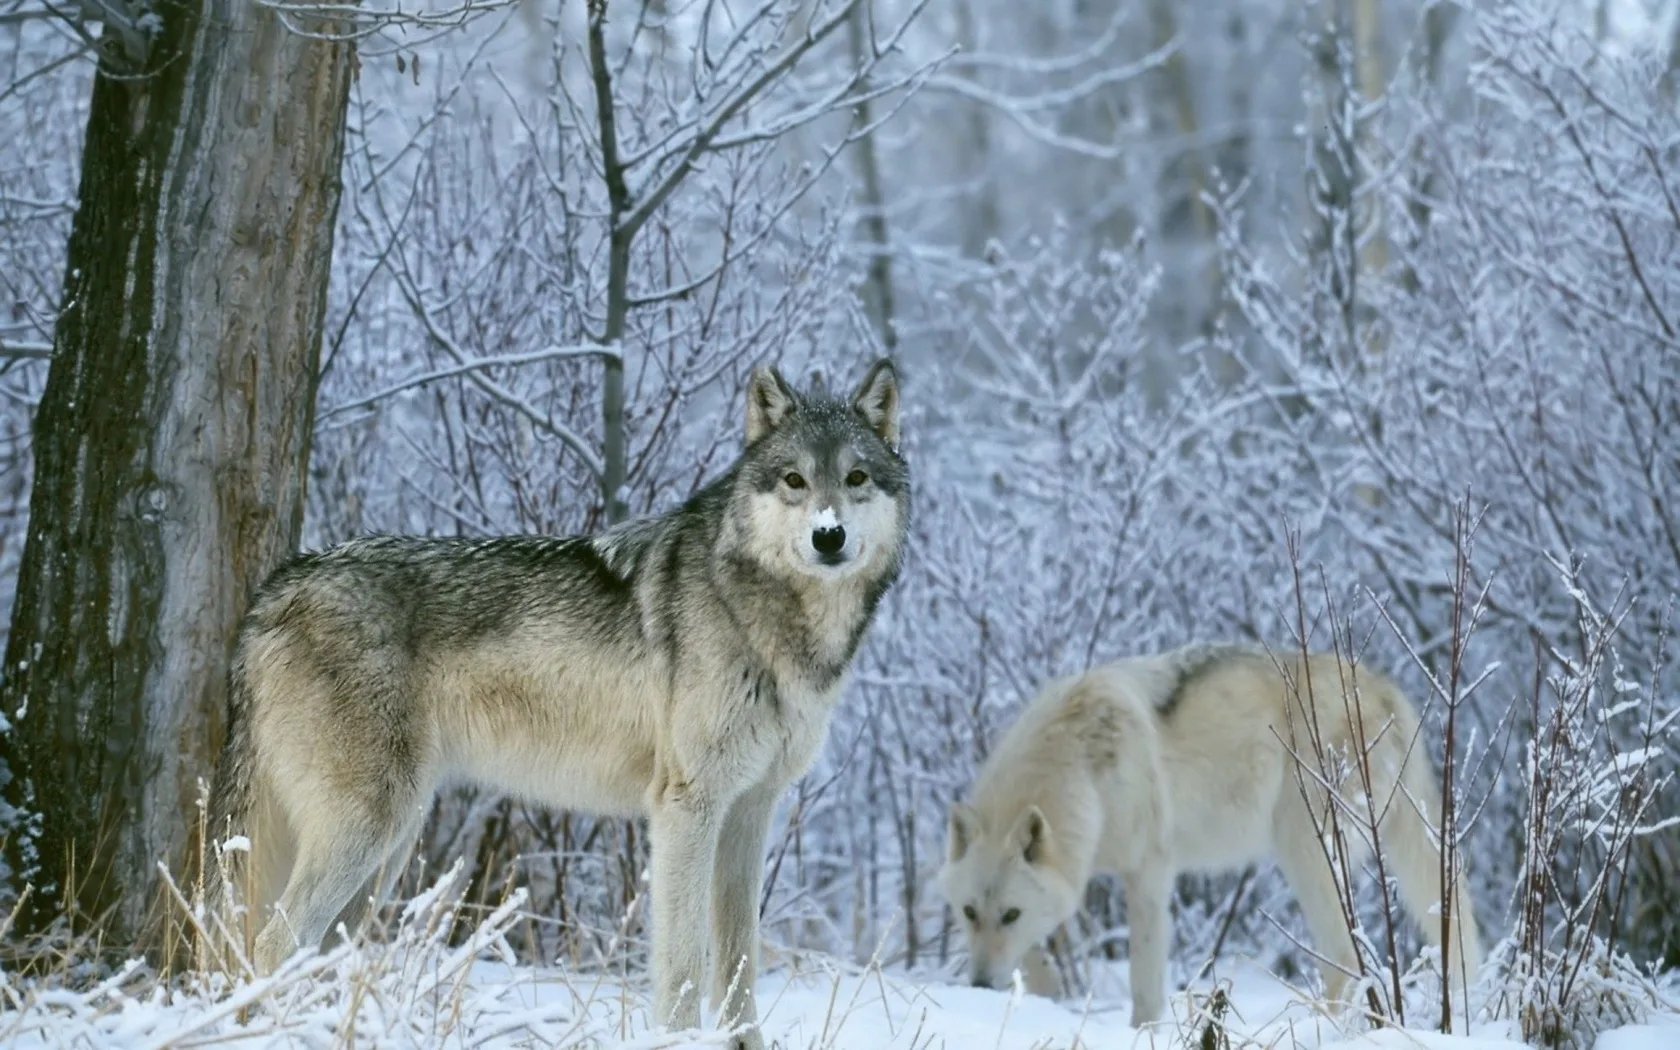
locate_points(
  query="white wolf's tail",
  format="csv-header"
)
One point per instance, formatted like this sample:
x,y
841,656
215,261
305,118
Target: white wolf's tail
x,y
1412,846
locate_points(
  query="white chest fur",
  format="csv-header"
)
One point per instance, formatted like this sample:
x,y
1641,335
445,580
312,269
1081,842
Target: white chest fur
x,y
797,724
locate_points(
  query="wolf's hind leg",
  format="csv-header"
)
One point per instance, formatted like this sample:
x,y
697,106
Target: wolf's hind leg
x,y
378,886
335,859
1301,855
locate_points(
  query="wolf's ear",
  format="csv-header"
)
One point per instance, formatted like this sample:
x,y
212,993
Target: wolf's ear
x,y
877,400
965,828
1032,835
769,401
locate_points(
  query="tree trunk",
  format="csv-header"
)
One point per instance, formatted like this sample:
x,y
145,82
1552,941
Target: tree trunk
x,y
621,238
170,444
1372,80
878,284
983,220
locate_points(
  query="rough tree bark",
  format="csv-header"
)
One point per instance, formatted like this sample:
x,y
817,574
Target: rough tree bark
x,y
170,444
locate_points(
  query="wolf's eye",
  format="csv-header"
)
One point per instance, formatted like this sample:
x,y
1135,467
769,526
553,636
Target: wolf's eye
x,y
1011,915
856,478
794,480
970,914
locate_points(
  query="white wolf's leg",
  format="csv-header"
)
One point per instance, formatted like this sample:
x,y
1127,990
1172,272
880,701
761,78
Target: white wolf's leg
x,y
736,888
1148,903
334,859
1410,839
1307,868
684,826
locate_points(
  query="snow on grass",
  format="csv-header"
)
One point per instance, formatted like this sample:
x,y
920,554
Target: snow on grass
x,y
425,988
351,997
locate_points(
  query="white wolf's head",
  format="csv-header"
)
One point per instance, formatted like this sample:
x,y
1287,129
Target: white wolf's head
x,y
823,491
1006,887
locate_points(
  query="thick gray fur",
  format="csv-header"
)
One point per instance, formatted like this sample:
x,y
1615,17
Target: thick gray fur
x,y
682,667
1194,662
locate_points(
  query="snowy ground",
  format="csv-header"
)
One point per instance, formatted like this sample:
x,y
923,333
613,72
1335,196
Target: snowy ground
x,y
421,990
823,1005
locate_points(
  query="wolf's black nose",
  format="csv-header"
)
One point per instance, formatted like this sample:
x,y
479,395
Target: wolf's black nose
x,y
828,541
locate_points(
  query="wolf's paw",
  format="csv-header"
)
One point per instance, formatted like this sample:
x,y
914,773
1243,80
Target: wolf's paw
x,y
1145,1013
748,1040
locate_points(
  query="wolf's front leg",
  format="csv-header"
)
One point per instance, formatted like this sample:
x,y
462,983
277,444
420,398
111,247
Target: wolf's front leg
x,y
1148,897
684,826
735,892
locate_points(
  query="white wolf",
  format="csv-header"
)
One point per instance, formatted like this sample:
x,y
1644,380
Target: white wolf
x,y
1187,762
683,667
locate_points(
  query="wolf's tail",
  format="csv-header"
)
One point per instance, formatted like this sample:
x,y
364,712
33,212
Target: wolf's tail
x,y
235,895
1412,842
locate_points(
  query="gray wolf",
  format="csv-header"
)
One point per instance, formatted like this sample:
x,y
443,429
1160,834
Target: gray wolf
x,y
1202,759
683,668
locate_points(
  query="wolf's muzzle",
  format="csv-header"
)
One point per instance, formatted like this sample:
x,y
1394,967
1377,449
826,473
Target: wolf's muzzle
x,y
829,542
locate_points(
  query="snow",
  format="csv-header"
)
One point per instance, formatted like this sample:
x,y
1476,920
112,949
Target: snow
x,y
442,996
1037,549
1664,1035
1411,1039
436,979
825,519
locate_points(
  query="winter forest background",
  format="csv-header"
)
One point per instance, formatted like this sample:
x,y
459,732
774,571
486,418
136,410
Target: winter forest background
x,y
1348,321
